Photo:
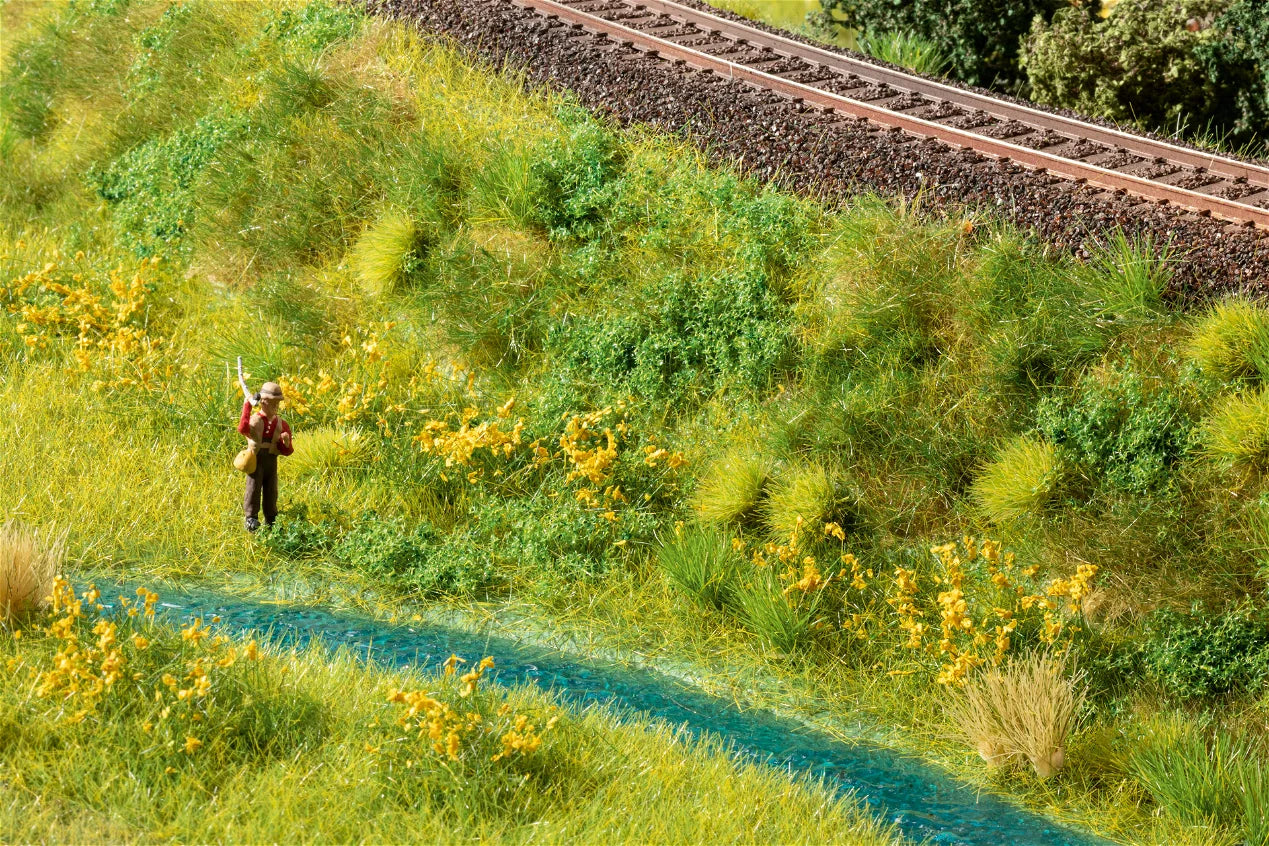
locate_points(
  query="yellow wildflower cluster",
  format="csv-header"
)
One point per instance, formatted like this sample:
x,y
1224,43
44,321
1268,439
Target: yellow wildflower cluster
x,y
457,446
106,325
364,392
83,672
453,732
588,459
967,637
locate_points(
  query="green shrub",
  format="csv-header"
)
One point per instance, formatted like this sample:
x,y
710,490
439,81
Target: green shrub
x,y
1236,433
575,181
293,536
981,37
1202,781
687,335
414,557
1144,64
1238,62
152,186
1020,482
1231,341
731,487
702,564
1200,655
1118,429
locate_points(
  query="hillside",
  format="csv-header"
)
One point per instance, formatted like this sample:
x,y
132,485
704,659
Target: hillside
x,y
568,377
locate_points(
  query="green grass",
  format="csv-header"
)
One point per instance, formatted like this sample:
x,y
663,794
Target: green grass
x,y
906,50
572,338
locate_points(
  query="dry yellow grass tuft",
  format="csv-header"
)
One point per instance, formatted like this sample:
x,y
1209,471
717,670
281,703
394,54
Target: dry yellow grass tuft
x,y
28,562
1021,712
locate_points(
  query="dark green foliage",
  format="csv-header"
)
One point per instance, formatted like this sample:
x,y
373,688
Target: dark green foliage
x,y
981,37
296,536
414,557
688,334
315,26
575,180
152,185
1123,432
1199,655
1238,63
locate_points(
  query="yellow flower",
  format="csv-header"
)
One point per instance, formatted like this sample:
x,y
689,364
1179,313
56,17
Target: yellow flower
x,y
192,744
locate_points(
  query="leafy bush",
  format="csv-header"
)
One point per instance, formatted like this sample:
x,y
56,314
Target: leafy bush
x,y
1117,67
702,564
1199,655
413,556
1231,341
1021,481
689,334
981,37
731,487
1238,61
575,180
1118,429
1147,62
152,185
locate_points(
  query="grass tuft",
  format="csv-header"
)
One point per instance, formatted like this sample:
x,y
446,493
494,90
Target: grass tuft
x,y
907,50
1232,341
28,562
803,499
782,622
387,253
1205,781
731,488
1020,713
327,449
702,564
1020,482
1236,434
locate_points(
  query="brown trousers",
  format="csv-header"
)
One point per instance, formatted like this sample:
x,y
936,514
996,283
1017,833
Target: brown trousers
x,y
263,485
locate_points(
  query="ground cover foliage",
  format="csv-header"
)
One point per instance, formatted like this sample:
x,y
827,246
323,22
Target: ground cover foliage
x,y
533,359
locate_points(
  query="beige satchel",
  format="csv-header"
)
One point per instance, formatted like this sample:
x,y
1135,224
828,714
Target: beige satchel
x,y
245,460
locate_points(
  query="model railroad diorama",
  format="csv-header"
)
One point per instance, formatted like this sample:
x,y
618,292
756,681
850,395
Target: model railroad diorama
x,y
628,421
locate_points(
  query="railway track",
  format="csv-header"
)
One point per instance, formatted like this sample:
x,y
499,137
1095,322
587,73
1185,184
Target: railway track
x,y
835,91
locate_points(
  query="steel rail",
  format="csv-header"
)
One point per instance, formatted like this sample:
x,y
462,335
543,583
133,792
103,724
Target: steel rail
x,y
1036,159
910,83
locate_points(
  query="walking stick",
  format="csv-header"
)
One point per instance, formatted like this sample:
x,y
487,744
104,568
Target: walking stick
x,y
246,392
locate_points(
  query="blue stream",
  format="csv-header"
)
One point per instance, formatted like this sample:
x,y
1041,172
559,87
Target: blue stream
x,y
924,802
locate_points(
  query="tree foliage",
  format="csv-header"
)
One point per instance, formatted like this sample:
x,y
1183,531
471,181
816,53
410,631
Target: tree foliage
x,y
981,37
1201,64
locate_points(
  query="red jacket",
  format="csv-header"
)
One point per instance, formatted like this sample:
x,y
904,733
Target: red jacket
x,y
244,428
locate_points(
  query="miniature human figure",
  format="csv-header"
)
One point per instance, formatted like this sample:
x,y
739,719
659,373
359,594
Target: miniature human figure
x,y
270,436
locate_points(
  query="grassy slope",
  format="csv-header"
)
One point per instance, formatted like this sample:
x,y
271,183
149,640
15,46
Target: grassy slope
x,y
547,259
